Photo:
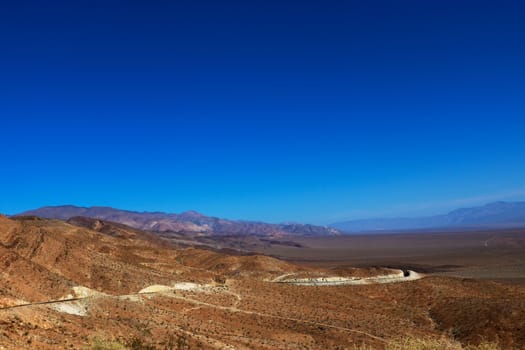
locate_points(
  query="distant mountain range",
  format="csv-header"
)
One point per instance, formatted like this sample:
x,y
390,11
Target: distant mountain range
x,y
187,222
492,215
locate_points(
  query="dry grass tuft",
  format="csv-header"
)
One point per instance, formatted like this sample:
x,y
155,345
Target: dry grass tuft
x,y
102,344
432,344
484,346
424,344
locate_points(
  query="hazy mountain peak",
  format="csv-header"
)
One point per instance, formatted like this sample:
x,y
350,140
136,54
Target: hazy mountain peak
x,y
495,214
191,213
189,221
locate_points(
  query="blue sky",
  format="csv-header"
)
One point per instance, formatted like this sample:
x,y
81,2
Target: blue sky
x,y
312,111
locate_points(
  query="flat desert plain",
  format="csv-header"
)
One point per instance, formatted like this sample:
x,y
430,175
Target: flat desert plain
x,y
497,255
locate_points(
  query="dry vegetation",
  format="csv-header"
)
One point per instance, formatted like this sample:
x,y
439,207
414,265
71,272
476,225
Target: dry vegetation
x,y
233,306
438,344
401,344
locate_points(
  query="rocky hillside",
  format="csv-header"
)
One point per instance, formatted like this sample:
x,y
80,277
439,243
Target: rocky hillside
x,y
90,284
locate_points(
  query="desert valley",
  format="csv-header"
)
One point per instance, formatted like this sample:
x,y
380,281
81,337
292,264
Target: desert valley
x,y
88,283
262,175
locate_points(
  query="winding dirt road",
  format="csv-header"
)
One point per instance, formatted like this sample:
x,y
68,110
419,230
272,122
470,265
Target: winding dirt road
x,y
397,277
172,294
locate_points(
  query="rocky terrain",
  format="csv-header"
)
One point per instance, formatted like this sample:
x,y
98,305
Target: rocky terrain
x,y
188,222
81,284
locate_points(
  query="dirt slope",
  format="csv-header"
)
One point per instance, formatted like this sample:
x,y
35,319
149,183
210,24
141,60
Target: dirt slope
x,y
208,300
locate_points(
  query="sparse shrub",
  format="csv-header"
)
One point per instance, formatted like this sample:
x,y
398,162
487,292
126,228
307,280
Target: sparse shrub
x,y
219,279
182,343
102,344
484,346
137,343
437,344
431,344
424,344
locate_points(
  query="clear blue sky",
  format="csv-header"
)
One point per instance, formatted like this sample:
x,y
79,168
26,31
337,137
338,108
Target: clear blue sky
x,y
312,111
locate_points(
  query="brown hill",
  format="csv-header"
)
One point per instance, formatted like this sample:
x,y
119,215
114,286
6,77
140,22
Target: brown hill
x,y
76,255
127,286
